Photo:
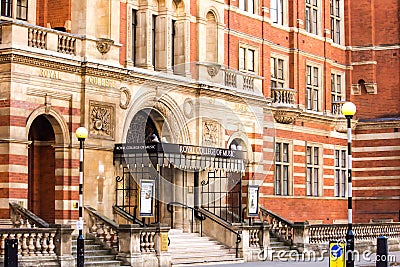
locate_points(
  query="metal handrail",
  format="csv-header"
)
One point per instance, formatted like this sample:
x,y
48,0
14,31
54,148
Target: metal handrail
x,y
202,215
128,216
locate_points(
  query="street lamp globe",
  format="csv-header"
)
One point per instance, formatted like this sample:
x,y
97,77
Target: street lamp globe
x,y
81,133
348,109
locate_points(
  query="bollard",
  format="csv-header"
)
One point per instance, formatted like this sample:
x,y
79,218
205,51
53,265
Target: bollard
x,y
11,253
382,252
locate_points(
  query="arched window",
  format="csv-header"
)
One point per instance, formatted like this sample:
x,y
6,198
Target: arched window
x,y
211,38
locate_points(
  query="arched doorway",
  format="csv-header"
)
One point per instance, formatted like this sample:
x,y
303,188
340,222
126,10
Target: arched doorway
x,y
41,172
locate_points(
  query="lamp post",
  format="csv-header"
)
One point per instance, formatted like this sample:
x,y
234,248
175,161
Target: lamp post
x,y
81,134
348,110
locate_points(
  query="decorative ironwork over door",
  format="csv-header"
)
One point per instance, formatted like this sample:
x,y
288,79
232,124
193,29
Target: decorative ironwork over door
x,y
222,195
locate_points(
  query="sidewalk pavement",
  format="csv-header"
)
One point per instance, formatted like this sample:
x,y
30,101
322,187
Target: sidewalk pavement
x,y
363,261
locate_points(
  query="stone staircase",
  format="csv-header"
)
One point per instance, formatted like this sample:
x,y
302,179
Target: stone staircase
x,y
190,249
95,254
279,250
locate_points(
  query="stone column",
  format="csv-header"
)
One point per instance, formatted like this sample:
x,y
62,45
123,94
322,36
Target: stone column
x,y
144,44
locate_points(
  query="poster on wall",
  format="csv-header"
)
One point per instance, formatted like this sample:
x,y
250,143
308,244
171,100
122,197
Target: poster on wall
x,y
146,198
252,200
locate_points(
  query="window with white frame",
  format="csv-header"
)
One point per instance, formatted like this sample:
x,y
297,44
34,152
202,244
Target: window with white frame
x,y
276,11
312,10
247,58
335,20
340,173
247,5
313,171
282,169
277,73
336,92
21,9
313,88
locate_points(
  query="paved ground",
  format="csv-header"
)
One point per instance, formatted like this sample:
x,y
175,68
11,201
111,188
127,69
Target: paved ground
x,y
364,261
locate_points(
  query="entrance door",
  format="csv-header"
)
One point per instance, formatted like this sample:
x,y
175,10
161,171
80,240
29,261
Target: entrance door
x,y
41,192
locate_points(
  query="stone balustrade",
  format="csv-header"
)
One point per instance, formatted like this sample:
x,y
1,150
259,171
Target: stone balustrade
x,y
337,108
24,36
231,79
31,242
283,96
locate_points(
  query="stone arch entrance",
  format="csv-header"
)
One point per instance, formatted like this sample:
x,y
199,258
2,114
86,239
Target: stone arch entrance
x,y
48,133
41,172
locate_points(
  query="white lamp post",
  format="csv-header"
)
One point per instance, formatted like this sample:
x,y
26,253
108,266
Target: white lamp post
x,y
348,110
81,134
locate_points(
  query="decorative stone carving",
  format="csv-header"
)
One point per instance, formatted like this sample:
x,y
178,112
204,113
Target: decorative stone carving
x,y
125,98
286,116
371,88
210,133
213,70
341,125
188,107
103,45
47,103
356,89
102,120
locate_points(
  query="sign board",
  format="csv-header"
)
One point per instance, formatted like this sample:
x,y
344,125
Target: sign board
x,y
337,254
164,241
146,198
252,200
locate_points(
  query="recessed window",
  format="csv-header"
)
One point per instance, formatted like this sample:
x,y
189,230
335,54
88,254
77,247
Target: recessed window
x,y
282,171
277,73
313,171
313,88
312,16
276,11
22,9
340,173
6,8
247,5
247,59
335,20
336,93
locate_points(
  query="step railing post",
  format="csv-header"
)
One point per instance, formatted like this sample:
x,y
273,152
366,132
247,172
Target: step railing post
x,y
301,238
161,245
129,244
63,248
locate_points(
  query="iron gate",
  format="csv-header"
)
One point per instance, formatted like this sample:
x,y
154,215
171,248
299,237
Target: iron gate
x,y
222,195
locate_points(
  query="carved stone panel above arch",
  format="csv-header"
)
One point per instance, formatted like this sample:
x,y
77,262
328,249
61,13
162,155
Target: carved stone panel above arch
x,y
101,120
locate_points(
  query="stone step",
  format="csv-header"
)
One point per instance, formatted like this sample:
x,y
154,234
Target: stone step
x,y
94,252
204,261
103,263
89,247
91,258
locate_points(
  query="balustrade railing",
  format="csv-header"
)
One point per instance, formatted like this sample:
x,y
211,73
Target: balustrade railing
x,y
37,38
230,79
103,229
279,227
337,107
283,96
23,218
368,231
248,83
66,44
31,242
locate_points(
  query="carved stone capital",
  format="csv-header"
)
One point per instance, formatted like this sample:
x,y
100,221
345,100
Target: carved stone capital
x,y
286,116
213,70
103,45
341,125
